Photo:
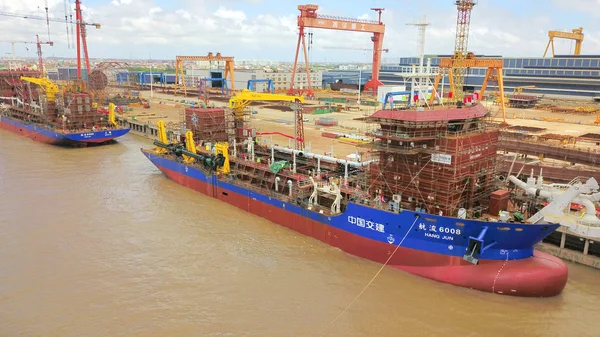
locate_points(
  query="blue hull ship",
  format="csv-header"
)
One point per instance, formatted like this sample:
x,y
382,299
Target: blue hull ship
x,y
57,137
427,203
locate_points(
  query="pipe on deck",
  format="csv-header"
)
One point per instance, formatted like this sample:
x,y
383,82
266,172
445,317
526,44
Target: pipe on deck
x,y
590,209
324,158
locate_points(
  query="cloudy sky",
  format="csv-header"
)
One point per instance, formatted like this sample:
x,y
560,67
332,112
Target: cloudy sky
x,y
266,29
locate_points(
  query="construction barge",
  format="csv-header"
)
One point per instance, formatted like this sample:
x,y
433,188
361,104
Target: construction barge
x,y
36,108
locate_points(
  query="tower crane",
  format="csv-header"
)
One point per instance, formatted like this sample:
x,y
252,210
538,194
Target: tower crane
x,y
575,34
39,50
309,18
463,22
80,28
462,60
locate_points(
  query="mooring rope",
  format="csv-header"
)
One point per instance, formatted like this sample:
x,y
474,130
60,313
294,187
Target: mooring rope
x,y
375,276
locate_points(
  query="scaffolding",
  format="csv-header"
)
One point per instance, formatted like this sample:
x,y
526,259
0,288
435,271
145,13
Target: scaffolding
x,y
435,165
209,125
69,112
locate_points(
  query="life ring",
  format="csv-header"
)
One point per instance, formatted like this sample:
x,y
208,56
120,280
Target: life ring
x,y
96,128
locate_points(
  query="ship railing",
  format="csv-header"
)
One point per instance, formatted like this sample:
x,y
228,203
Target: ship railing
x,y
432,134
576,180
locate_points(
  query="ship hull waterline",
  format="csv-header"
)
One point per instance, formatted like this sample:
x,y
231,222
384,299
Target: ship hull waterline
x,y
541,275
47,136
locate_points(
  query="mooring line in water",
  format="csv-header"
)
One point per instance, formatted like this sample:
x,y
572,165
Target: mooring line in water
x,y
375,276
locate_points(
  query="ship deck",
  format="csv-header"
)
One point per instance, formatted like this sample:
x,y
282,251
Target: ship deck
x,y
433,114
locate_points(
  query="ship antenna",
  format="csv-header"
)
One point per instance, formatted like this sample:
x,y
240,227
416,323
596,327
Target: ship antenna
x,y
417,216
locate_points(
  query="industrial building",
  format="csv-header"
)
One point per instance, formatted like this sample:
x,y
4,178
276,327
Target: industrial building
x,y
281,80
556,76
573,76
66,74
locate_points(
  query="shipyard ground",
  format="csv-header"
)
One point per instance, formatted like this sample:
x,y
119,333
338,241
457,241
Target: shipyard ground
x,y
350,121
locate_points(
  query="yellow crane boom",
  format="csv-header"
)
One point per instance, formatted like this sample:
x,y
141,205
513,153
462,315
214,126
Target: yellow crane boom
x,y
111,114
48,86
240,101
575,34
519,90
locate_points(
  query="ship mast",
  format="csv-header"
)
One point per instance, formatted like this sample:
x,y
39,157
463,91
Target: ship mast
x,y
421,76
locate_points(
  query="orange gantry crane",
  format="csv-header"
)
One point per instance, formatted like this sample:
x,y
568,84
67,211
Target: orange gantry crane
x,y
309,18
575,34
210,58
462,60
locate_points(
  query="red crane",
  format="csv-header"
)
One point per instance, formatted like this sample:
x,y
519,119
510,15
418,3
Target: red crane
x,y
39,52
81,40
309,18
81,32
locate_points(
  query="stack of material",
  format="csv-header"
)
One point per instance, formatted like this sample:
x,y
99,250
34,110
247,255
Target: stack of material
x,y
325,121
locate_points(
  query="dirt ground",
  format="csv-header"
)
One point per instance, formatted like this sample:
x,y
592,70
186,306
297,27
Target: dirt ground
x,y
168,108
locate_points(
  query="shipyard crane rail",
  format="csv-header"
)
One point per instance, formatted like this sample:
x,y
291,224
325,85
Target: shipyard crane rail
x,y
575,34
309,18
241,100
210,57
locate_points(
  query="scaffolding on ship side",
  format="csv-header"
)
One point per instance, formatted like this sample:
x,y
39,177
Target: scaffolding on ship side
x,y
436,167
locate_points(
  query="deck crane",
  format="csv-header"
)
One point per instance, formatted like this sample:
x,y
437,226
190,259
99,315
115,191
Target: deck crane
x,y
241,100
80,28
575,34
48,86
309,18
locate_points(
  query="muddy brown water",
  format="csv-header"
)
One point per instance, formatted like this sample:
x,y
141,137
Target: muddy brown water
x,y
96,242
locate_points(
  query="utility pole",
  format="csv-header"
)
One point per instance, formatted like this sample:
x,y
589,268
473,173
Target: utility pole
x,y
151,78
359,83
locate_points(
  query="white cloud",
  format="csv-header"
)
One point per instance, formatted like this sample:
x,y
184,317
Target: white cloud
x,y
138,28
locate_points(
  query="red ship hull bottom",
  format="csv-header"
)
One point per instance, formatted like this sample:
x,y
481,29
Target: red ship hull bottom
x,y
542,275
39,137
